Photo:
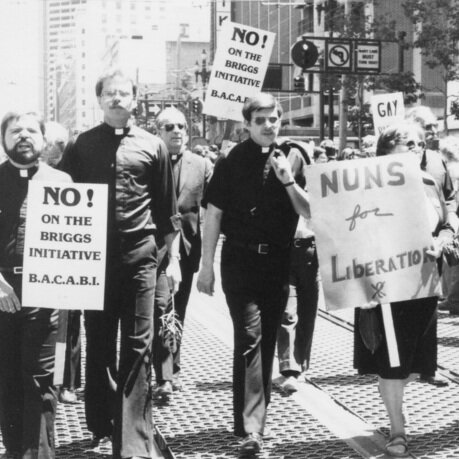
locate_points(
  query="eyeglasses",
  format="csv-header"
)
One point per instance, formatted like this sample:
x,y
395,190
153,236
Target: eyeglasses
x,y
260,120
411,144
111,94
170,126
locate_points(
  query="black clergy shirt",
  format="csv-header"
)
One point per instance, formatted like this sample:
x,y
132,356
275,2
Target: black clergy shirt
x,y
256,209
136,167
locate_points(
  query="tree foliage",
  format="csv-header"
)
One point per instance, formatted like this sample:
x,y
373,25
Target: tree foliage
x,y
437,27
355,25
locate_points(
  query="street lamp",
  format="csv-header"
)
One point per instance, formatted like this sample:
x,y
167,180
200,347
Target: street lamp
x,y
204,73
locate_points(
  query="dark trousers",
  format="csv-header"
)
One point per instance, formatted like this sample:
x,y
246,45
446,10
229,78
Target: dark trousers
x,y
28,397
129,300
256,289
167,364
294,338
72,367
101,371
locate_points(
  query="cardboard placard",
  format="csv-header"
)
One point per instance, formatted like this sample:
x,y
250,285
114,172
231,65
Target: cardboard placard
x,y
372,228
239,69
387,109
65,245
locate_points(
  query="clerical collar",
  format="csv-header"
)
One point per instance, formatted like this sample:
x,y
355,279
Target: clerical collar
x,y
26,171
258,147
118,131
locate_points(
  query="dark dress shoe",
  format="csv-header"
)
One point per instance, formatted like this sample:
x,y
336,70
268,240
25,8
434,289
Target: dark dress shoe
x,y
101,442
434,380
251,444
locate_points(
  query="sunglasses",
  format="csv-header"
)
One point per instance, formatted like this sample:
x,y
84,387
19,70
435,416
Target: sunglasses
x,y
260,120
170,126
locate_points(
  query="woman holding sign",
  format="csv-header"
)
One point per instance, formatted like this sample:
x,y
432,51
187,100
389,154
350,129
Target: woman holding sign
x,y
414,326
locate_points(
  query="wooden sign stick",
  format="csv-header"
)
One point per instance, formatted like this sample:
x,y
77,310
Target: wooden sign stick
x,y
391,339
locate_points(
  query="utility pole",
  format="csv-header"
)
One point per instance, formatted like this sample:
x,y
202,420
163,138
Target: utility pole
x,y
321,103
401,51
342,100
331,121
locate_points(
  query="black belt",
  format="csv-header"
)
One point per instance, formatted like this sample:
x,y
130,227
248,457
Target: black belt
x,y
11,269
304,242
260,248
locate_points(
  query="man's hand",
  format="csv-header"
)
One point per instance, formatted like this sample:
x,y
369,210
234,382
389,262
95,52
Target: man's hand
x,y
282,168
206,281
9,302
173,273
437,249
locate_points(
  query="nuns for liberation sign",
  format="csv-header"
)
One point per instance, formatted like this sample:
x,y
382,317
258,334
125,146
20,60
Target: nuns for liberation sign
x,y
65,245
371,222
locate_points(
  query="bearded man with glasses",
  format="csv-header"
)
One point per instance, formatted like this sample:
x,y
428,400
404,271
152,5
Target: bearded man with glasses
x,y
254,198
192,174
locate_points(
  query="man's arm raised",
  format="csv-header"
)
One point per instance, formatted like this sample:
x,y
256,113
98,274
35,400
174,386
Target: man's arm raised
x,y
298,196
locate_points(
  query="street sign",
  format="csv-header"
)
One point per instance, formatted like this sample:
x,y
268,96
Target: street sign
x,y
368,57
304,53
339,56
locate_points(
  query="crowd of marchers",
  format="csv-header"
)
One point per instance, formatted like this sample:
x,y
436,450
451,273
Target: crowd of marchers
x,y
159,194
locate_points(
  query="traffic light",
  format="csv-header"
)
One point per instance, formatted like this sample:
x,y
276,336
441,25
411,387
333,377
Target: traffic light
x,y
196,106
298,83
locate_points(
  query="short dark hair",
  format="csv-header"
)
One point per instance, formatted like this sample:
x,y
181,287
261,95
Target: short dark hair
x,y
15,115
259,102
112,73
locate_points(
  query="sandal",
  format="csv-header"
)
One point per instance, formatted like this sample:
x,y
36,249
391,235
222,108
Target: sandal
x,y
397,446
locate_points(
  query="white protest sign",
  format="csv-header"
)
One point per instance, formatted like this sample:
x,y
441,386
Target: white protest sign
x,y
238,70
65,245
371,222
387,109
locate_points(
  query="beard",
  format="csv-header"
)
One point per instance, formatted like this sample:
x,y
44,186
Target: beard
x,y
23,153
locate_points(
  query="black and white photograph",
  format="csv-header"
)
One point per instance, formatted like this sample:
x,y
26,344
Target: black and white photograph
x,y
229,229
